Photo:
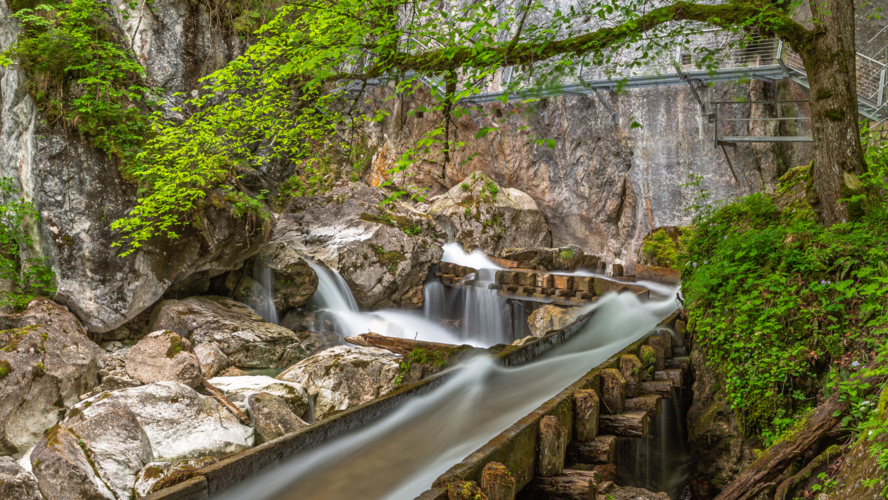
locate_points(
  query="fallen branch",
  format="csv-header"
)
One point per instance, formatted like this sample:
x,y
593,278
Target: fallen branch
x,y
218,396
398,345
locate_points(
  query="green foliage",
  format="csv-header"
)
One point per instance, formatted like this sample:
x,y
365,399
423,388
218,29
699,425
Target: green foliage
x,y
777,298
567,254
420,356
5,369
464,186
30,276
661,250
82,76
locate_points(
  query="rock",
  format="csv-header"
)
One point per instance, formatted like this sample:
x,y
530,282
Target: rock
x,y
246,339
293,281
63,469
16,483
660,274
117,444
271,417
384,255
179,422
714,437
497,483
344,376
465,490
568,258
553,445
164,356
601,450
212,359
159,475
315,342
859,469
232,371
173,42
111,383
479,214
114,360
44,368
551,317
238,389
611,491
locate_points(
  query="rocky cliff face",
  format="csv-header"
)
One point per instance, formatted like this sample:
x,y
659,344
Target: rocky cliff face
x,y
79,191
603,186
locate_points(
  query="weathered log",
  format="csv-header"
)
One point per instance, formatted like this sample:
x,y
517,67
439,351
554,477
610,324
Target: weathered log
x,y
790,484
660,387
572,485
497,483
668,342
225,402
399,345
553,445
660,350
626,424
652,404
613,391
648,356
586,409
465,490
762,473
602,450
630,367
673,374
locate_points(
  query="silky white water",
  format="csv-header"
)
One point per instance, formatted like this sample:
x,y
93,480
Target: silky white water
x,y
264,303
400,455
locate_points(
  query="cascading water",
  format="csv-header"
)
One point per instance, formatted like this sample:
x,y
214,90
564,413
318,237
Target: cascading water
x,y
400,455
264,303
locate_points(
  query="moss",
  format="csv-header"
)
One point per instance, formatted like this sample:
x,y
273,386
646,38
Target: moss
x,y
390,259
73,412
178,476
52,436
11,339
824,94
40,369
152,472
648,355
176,345
5,369
835,115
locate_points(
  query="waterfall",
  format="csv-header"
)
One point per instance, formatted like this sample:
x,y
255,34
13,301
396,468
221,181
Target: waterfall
x,y
454,252
264,303
434,305
401,454
333,293
485,315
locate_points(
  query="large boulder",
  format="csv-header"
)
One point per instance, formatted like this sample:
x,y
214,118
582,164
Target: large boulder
x,y
212,360
79,190
16,483
271,417
63,468
479,214
568,258
246,339
551,317
179,422
238,389
46,363
345,376
384,254
117,444
164,356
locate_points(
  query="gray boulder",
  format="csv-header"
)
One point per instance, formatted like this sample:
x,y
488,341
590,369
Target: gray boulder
x,y
292,280
212,359
117,444
344,376
164,356
246,339
111,383
179,422
551,317
63,469
46,363
16,483
159,475
239,388
384,255
271,417
479,214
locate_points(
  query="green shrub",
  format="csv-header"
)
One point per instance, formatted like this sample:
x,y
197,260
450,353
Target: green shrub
x,y
778,299
660,249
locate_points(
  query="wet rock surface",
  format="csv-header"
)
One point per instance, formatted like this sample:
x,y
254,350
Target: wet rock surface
x,y
243,336
159,475
164,356
179,422
479,214
46,363
384,255
344,376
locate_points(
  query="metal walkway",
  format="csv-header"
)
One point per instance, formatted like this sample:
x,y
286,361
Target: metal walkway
x,y
766,59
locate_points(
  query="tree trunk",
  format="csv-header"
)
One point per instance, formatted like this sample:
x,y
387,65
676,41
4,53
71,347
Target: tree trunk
x,y
830,62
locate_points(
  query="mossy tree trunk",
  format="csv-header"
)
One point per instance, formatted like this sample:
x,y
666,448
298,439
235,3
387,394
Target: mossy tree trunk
x,y
830,62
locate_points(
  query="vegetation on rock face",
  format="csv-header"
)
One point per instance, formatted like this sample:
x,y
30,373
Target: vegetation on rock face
x,y
791,311
28,276
661,250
